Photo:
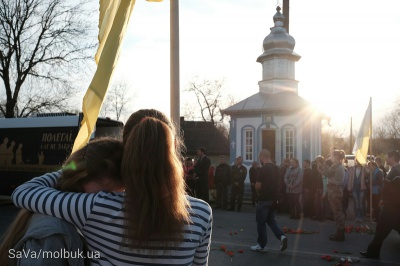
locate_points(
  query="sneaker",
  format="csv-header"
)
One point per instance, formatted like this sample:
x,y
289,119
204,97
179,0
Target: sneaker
x,y
258,248
283,243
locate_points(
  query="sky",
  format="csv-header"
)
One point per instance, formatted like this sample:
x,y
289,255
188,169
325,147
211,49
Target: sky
x,y
350,51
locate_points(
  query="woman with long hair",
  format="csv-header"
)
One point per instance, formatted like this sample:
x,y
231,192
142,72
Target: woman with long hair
x,y
152,223
293,182
92,168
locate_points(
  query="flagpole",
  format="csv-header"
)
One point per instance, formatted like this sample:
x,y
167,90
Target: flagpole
x,y
370,157
351,134
174,63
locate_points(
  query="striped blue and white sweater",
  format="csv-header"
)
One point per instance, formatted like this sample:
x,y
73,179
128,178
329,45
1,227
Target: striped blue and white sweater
x,y
100,217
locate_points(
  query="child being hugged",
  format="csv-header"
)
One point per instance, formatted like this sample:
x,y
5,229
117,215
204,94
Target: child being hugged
x,y
40,239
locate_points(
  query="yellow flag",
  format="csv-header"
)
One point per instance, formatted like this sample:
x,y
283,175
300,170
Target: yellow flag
x,y
114,18
361,144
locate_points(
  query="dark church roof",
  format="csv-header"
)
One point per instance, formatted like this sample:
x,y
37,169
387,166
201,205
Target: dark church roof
x,y
203,134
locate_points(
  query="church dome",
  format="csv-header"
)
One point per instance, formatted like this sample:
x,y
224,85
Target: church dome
x,y
278,42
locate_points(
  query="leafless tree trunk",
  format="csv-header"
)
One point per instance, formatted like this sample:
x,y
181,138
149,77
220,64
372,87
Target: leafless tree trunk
x,y
389,126
44,41
209,97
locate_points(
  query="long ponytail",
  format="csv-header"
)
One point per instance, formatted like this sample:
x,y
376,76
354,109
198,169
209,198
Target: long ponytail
x,y
155,204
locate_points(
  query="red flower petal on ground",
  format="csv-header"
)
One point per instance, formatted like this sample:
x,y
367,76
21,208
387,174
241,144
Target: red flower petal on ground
x,y
240,251
223,247
230,253
328,258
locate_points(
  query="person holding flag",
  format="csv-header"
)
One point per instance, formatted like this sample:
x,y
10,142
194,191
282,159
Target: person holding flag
x,y
360,149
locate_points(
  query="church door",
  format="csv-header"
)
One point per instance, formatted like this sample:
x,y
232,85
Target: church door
x,y
268,142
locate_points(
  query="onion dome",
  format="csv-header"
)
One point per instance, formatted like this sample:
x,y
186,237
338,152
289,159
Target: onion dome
x,y
278,42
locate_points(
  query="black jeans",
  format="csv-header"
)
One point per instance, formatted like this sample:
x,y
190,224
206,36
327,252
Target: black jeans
x,y
202,189
388,220
265,214
308,203
295,207
237,191
222,195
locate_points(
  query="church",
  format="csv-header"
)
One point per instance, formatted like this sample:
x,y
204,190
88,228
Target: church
x,y
276,118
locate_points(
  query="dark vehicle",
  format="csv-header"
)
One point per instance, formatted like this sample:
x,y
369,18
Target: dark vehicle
x,y
32,146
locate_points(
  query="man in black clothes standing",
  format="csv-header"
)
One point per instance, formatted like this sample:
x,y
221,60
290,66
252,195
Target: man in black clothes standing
x,y
283,204
308,190
238,173
390,204
267,186
222,180
201,171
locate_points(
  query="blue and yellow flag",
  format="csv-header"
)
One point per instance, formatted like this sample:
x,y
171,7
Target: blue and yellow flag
x,y
361,144
114,18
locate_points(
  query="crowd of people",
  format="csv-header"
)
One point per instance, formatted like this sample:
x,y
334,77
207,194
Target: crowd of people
x,y
201,176
318,190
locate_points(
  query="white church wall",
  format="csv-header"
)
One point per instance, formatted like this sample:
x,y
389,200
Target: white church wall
x,y
290,122
244,123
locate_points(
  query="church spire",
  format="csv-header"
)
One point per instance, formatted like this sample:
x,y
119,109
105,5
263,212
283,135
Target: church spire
x,y
278,59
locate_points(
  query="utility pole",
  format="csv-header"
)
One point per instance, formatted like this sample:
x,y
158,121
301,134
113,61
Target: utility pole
x,y
174,64
285,8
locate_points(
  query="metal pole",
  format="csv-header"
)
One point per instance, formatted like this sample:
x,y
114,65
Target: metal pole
x,y
351,135
370,157
174,63
285,7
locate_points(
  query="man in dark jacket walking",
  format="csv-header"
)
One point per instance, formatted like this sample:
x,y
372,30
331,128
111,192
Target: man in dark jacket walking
x,y
222,180
267,187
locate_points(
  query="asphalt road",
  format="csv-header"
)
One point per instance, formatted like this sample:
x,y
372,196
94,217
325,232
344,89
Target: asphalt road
x,y
237,232
303,249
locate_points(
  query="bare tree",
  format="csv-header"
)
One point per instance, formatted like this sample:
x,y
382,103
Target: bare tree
x,y
117,100
209,96
389,127
189,111
44,41
379,132
392,123
333,138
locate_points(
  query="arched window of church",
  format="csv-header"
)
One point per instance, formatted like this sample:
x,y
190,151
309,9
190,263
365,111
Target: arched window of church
x,y
248,144
288,143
